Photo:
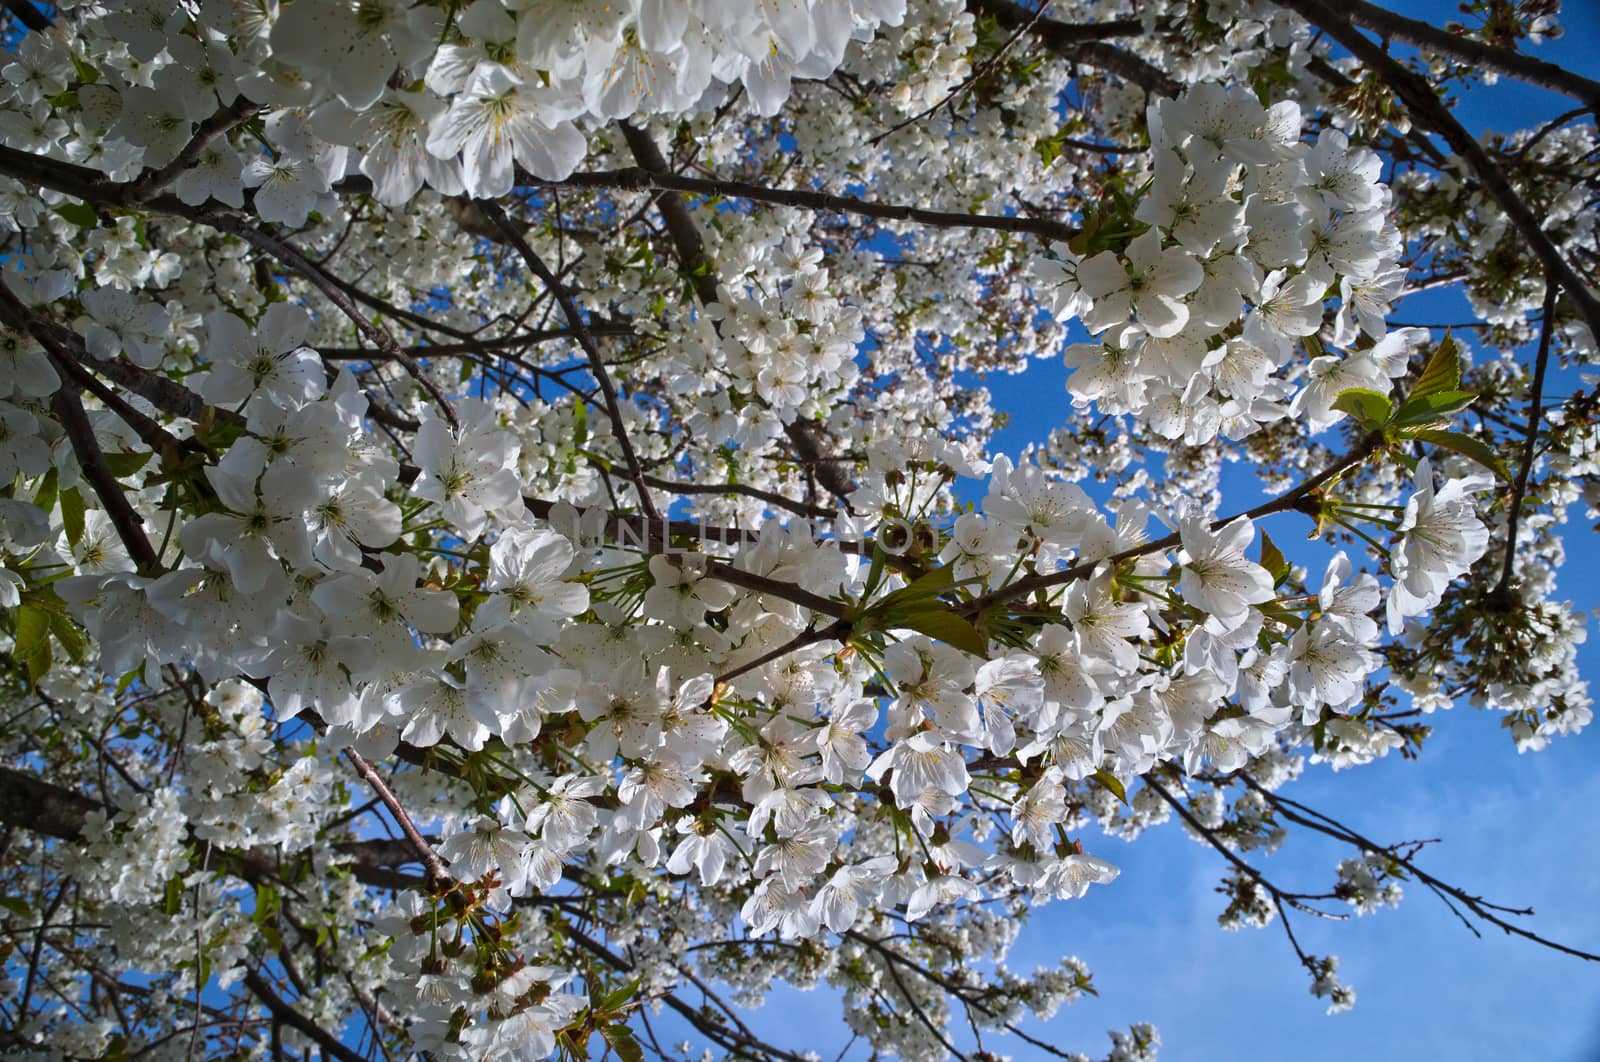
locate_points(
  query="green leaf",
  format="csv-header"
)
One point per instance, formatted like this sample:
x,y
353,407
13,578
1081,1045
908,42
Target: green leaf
x,y
127,464
86,73
80,214
1272,560
577,1047
1443,371
616,998
70,635
1049,147
929,584
1274,611
1110,783
72,514
620,1037
268,901
17,906
172,899
598,459
45,496
32,645
1435,408
1370,408
875,573
580,423
1465,445
940,623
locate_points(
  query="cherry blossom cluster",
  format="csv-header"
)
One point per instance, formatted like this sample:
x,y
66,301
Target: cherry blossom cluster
x,y
502,524
408,95
1244,234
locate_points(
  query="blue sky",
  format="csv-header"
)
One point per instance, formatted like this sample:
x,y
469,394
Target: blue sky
x,y
1516,829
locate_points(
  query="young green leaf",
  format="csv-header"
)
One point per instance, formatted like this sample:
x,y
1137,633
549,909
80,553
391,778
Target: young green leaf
x,y
80,214
1466,446
1443,371
621,1040
1432,409
1370,408
940,623
929,584
1272,560
122,464
875,573
70,635
32,643
72,514
45,496
580,424
1110,783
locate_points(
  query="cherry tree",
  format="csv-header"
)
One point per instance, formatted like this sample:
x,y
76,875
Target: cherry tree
x,y
503,550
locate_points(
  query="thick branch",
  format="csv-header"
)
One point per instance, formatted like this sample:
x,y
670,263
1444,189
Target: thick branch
x,y
1084,43
33,804
645,179
217,125
1418,96
1473,53
92,187
129,524
281,1010
697,266
28,15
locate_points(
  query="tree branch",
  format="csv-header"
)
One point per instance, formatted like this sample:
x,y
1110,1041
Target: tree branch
x,y
1298,813
646,179
439,878
1473,53
29,15
1519,489
1084,43
700,271
281,1010
129,524
580,326
1418,96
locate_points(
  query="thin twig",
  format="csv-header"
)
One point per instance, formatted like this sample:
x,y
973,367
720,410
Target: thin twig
x,y
580,326
1298,813
977,75
1519,489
